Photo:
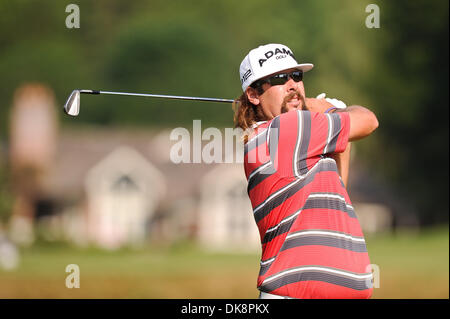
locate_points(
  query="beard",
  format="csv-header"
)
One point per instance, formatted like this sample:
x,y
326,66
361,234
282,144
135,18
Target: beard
x,y
289,97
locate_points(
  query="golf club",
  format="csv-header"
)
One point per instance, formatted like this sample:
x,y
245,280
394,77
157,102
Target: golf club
x,y
72,106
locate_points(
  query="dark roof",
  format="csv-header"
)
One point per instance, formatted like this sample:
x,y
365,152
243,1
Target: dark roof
x,y
79,150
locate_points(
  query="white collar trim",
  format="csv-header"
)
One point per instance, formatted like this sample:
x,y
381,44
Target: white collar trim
x,y
258,124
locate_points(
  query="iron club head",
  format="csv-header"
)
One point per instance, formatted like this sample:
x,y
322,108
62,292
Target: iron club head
x,y
72,106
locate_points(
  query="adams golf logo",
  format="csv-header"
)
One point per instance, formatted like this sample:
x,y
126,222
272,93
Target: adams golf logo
x,y
279,53
246,75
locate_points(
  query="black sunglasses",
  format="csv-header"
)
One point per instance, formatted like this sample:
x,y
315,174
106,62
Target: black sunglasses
x,y
280,79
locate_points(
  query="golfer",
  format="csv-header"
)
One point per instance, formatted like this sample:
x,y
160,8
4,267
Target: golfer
x,y
312,243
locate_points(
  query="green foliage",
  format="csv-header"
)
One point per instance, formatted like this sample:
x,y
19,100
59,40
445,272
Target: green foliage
x,y
6,200
411,91
195,47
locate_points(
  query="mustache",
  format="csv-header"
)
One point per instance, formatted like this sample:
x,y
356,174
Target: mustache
x,y
294,94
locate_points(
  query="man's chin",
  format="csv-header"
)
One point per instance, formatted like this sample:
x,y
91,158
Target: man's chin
x,y
293,106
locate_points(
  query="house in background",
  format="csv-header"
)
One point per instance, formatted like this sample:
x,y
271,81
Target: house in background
x,y
122,193
116,187
221,223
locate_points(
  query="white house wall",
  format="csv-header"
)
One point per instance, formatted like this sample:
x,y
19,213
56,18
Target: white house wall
x,y
218,211
120,217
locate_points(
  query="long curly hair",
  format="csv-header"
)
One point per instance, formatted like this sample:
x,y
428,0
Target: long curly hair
x,y
246,114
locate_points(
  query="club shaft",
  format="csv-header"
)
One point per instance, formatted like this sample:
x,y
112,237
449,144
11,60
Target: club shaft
x,y
173,97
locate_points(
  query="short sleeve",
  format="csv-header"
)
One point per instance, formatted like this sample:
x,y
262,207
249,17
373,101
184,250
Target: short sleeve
x,y
339,129
296,140
329,133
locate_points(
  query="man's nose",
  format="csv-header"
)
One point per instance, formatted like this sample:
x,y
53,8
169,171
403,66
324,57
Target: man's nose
x,y
291,84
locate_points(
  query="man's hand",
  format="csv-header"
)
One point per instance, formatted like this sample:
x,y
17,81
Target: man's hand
x,y
321,104
336,103
317,105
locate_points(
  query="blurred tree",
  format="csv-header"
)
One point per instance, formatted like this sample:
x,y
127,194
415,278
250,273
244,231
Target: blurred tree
x,y
410,88
6,198
166,57
195,47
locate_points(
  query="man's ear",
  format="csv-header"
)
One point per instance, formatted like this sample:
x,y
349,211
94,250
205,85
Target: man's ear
x,y
252,95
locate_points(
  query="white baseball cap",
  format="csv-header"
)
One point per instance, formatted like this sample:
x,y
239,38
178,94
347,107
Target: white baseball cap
x,y
268,59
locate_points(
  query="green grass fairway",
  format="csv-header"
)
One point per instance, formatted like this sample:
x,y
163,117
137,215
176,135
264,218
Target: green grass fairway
x,y
411,266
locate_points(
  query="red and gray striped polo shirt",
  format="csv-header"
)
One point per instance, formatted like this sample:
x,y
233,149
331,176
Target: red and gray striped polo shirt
x,y
312,243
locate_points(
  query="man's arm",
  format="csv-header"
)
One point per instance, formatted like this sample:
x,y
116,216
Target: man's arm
x,y
343,162
362,122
